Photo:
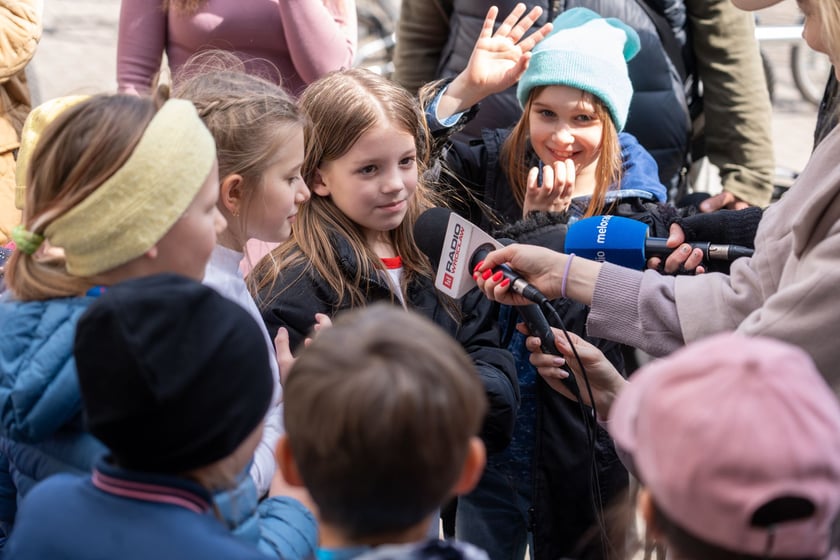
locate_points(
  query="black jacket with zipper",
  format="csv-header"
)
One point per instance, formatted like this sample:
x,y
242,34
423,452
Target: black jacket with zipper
x,y
300,292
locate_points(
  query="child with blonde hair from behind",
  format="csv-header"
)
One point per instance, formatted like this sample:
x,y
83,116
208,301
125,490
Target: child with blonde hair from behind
x,y
259,140
154,358
382,423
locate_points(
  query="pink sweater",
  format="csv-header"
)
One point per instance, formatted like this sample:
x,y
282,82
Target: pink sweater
x,y
789,290
304,39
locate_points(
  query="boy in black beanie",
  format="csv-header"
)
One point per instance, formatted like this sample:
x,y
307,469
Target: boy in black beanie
x,y
175,382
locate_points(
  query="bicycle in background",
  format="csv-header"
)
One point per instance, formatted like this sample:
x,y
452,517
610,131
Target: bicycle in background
x,y
377,23
809,68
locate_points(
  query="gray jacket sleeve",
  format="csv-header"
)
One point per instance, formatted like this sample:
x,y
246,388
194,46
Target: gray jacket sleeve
x,y
422,32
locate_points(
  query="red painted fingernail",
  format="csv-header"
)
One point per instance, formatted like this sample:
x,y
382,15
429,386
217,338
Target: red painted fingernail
x,y
478,266
475,275
505,283
487,274
498,276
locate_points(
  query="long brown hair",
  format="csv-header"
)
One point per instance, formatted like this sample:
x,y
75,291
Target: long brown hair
x,y
76,154
340,108
517,147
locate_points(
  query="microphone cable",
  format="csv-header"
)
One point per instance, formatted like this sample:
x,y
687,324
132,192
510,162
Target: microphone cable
x,y
590,423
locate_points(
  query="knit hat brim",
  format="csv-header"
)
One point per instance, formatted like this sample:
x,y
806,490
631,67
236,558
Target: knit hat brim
x,y
587,52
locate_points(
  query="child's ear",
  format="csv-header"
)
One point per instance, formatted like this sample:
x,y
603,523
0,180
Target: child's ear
x,y
318,186
286,462
230,193
473,467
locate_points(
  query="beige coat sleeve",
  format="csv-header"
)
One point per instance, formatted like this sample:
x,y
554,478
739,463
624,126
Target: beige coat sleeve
x,y
736,103
422,32
20,31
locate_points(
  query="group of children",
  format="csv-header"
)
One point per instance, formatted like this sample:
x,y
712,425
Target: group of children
x,y
113,346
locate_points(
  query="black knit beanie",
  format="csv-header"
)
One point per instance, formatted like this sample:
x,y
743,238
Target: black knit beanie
x,y
173,375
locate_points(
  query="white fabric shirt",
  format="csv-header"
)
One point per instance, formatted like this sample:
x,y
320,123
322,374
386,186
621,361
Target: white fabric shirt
x,y
223,275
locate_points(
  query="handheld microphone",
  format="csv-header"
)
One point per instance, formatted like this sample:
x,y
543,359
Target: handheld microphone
x,y
449,241
625,242
455,246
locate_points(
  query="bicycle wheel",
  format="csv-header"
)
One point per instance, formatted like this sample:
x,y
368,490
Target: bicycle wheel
x,y
769,75
810,72
375,48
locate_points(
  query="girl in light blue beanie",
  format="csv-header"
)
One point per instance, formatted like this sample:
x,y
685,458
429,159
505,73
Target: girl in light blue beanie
x,y
574,88
575,92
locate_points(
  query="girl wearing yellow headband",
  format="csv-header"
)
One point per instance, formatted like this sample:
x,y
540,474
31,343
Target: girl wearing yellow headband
x,y
117,187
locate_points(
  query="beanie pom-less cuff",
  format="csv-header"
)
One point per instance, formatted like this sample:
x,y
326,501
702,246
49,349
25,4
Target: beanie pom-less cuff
x,y
587,52
605,79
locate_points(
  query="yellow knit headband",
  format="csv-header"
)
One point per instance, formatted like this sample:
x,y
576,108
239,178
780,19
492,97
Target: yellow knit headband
x,y
33,128
131,211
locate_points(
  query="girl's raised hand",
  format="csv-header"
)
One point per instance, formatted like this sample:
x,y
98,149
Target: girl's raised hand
x,y
499,58
555,192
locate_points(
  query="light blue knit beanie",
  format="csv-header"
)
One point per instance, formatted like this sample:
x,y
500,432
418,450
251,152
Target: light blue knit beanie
x,y
588,52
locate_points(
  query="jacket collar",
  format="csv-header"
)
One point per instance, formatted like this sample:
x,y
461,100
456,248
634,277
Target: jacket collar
x,y
151,487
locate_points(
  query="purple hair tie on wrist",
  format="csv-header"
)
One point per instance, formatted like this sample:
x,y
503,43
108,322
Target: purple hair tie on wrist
x,y
566,275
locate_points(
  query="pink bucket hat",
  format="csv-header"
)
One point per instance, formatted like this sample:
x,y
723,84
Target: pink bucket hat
x,y
751,5
738,441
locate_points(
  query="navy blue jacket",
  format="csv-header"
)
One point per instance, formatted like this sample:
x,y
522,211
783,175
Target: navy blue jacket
x,y
122,514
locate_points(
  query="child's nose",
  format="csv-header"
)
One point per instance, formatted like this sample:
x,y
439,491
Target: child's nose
x,y
392,181
302,194
564,135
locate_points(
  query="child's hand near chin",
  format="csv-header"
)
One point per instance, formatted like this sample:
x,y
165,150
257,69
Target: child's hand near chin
x,y
555,192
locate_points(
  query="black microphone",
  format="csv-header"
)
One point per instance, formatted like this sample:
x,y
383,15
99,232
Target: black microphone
x,y
625,242
445,237
455,246
655,247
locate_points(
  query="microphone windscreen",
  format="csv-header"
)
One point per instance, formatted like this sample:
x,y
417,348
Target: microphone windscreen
x,y
613,239
430,233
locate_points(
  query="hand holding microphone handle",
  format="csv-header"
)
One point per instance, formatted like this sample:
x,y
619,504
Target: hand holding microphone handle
x,y
538,326
518,284
532,315
656,247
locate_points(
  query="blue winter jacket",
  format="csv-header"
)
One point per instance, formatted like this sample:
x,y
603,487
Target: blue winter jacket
x,y
41,431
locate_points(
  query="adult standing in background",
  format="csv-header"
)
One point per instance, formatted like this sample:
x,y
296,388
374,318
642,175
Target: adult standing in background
x,y
435,38
302,39
20,31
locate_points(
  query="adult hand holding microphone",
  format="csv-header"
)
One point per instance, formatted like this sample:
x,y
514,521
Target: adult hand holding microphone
x,y
543,268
